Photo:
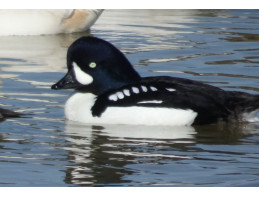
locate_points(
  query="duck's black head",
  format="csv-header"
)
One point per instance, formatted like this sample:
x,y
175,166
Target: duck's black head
x,y
96,66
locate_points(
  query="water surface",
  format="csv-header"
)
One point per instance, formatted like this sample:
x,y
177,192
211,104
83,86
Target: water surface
x,y
218,47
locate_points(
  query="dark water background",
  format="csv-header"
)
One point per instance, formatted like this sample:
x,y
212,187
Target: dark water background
x,y
219,47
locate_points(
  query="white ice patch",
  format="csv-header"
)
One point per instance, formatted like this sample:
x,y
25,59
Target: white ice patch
x,y
81,76
152,101
78,108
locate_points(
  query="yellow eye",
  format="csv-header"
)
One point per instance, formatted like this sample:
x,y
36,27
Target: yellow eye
x,y
92,65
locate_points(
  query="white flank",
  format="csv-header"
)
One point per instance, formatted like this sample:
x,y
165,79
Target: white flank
x,y
78,108
153,101
81,76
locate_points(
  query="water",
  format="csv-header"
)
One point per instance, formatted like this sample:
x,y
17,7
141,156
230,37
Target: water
x,y
219,47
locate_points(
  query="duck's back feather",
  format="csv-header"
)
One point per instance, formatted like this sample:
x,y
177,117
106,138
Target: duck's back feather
x,y
210,103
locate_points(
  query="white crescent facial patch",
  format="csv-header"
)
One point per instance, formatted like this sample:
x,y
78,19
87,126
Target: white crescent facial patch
x,y
81,76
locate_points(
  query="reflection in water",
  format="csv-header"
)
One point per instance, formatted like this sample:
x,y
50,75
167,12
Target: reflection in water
x,y
224,133
154,29
35,53
103,155
27,65
243,37
100,153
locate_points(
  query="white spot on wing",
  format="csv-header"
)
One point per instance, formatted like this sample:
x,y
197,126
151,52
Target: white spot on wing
x,y
113,97
135,90
81,76
153,88
170,89
152,101
126,92
144,88
120,95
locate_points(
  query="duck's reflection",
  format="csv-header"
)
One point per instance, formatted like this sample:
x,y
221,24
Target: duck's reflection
x,y
102,155
35,53
225,133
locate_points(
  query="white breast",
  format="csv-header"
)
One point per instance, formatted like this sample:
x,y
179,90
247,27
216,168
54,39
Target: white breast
x,y
78,108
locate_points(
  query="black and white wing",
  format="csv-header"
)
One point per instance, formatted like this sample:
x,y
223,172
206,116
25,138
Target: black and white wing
x,y
167,92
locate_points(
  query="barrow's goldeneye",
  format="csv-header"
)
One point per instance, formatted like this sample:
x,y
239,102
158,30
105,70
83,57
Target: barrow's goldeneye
x,y
110,91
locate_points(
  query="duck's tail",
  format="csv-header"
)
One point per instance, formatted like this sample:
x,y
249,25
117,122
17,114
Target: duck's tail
x,y
244,106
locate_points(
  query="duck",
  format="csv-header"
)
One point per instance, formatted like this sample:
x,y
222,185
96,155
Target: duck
x,y
110,91
45,22
6,113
